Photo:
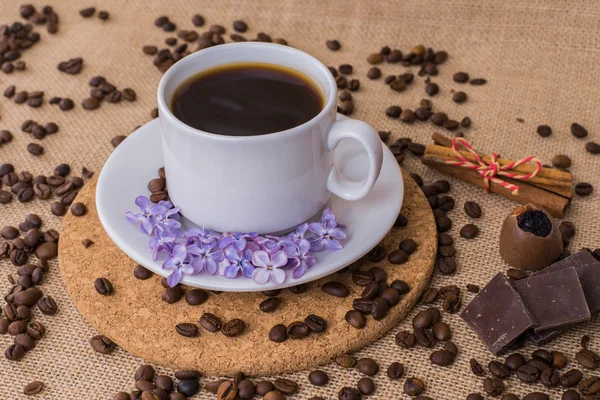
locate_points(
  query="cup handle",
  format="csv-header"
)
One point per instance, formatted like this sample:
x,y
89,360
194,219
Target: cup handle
x,y
357,130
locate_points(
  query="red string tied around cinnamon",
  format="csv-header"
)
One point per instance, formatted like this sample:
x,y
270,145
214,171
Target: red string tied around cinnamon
x,y
492,171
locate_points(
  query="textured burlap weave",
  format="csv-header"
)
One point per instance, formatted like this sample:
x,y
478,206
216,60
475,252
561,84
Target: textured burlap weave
x,y
540,59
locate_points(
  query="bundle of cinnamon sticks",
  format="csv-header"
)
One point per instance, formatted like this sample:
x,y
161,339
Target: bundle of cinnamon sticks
x,y
550,188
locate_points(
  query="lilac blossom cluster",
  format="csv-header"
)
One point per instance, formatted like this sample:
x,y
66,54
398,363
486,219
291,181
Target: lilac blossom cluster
x,y
261,258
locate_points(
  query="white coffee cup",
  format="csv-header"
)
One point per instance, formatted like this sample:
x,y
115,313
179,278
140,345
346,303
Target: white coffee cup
x,y
267,183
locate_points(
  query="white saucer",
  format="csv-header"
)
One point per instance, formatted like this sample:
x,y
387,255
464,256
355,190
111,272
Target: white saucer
x,y
137,159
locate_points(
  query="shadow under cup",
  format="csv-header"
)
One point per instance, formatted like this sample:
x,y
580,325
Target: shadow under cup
x,y
266,183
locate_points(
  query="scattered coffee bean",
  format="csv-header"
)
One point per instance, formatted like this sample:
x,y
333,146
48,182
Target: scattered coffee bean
x,y
187,329
561,161
578,131
188,387
366,386
442,358
413,386
476,368
459,97
478,81
398,257
588,359
278,333
335,289
143,273
47,305
318,378
286,386
33,388
102,344
584,189
590,386
78,209
469,231
35,149
493,386
406,339
103,286
592,147
460,77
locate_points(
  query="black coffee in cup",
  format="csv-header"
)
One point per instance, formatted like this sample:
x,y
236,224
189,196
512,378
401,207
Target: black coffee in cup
x,y
247,99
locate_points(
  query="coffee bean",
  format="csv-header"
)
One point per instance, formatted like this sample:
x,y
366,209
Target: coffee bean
x,y
469,231
549,377
35,149
66,104
102,344
592,147
590,386
459,97
432,89
413,386
588,359
424,337
559,361
345,361
441,331
16,327
335,289
87,12
187,329
542,355
561,161
442,358
584,189
578,131
536,396
32,388
406,339
429,296
476,368
366,386
395,370
315,323
286,386
246,389
571,395
9,232
213,387
422,320
142,273
47,305
478,81
188,387
374,73
227,391
14,352
103,286
493,386
187,375
90,103
571,378
297,330
318,378
498,369
465,122
398,257
377,254
210,322
407,116
36,330
164,382
78,209
393,111
460,77
528,373
278,333
28,297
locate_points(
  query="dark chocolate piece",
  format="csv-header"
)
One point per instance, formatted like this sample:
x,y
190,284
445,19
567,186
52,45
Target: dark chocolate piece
x,y
542,338
498,315
588,270
555,299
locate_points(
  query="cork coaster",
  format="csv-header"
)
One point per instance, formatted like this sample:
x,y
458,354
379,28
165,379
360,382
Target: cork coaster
x,y
138,320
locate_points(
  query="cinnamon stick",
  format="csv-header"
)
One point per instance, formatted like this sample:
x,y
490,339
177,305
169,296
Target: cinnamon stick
x,y
554,203
549,173
563,191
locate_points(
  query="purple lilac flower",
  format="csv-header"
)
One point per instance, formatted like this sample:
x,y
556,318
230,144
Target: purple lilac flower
x,y
201,234
268,267
237,239
163,240
206,257
146,218
178,262
168,219
271,244
239,261
327,234
299,258
298,233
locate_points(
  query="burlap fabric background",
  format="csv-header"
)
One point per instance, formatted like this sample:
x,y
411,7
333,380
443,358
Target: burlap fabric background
x,y
540,59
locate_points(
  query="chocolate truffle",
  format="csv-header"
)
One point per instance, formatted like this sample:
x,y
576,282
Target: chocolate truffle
x,y
530,238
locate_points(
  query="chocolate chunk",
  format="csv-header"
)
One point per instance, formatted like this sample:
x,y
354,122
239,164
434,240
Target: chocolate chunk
x,y
555,299
498,315
588,270
541,338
